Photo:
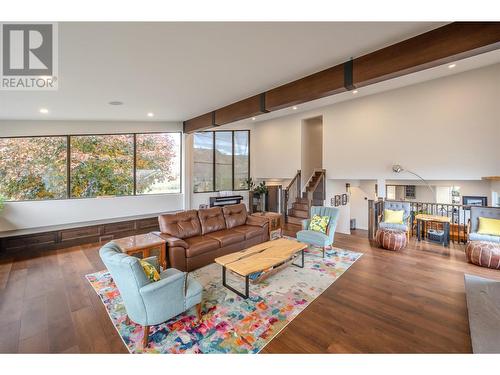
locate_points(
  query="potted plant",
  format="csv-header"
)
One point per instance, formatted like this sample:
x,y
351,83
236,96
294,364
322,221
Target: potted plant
x,y
258,191
261,191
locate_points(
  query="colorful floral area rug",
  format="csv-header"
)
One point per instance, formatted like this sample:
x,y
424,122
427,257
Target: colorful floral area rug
x,y
230,324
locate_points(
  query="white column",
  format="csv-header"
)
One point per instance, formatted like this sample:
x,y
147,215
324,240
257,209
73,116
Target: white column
x,y
381,188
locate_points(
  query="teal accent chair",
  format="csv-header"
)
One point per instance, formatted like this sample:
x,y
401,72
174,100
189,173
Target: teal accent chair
x,y
150,303
317,238
405,226
475,214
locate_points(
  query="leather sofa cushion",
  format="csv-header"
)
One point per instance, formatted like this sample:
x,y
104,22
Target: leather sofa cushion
x,y
250,231
235,215
211,220
181,225
227,236
200,245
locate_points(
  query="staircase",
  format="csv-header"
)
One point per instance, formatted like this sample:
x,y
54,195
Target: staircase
x,y
313,194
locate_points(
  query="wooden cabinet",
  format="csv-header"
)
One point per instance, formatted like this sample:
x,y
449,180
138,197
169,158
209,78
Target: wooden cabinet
x,y
61,237
144,246
275,223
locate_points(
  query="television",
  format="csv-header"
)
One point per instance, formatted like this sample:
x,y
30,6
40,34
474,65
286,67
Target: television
x,y
468,200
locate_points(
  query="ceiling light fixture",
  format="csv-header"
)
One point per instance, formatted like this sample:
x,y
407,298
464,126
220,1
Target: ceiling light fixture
x,y
44,111
294,107
253,118
451,66
151,114
355,92
115,102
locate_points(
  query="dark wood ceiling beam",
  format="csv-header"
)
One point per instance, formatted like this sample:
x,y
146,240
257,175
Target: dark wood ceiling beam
x,y
448,43
243,109
202,122
318,85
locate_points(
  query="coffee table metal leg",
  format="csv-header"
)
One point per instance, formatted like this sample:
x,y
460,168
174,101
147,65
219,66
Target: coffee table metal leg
x,y
300,266
247,285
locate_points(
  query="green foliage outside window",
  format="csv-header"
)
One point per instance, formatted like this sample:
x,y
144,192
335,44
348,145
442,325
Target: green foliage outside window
x,y
35,168
102,165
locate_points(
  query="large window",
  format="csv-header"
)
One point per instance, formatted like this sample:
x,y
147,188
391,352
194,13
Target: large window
x,y
33,168
203,157
86,166
158,163
241,160
221,161
102,165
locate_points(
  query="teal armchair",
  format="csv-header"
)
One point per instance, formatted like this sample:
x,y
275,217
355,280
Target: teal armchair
x,y
150,303
317,238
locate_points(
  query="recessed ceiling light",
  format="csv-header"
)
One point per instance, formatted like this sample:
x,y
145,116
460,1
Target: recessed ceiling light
x,y
151,114
44,111
253,118
451,66
116,102
355,92
294,107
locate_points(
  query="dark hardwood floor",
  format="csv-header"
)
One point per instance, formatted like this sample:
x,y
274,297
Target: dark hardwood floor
x,y
411,301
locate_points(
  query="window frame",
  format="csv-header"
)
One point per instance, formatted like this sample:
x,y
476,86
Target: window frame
x,y
214,150
68,163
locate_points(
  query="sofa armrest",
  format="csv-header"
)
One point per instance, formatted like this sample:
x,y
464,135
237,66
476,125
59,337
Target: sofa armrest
x,y
257,221
172,241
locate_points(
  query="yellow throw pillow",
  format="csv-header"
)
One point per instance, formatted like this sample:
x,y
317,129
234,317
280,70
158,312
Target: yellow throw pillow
x,y
393,217
319,223
489,226
150,271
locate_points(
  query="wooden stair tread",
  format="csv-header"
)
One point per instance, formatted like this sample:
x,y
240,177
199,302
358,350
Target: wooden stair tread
x,y
295,220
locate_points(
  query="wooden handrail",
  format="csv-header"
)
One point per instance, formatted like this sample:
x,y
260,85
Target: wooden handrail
x,y
318,180
297,175
310,193
286,192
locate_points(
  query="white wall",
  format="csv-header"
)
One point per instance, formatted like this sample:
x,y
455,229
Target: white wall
x,y
337,187
447,128
311,147
361,189
467,187
22,215
276,148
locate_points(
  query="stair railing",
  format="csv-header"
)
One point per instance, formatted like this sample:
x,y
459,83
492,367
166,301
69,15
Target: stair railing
x,y
290,193
317,193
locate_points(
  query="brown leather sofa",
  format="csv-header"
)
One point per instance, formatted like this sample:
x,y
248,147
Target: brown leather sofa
x,y
196,237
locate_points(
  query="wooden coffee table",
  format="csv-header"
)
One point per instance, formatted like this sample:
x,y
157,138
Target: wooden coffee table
x,y
143,246
260,258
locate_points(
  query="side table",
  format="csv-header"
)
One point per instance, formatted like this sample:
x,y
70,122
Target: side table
x,y
275,223
444,220
144,246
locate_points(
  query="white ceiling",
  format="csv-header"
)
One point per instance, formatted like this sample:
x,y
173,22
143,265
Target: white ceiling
x,y
180,70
